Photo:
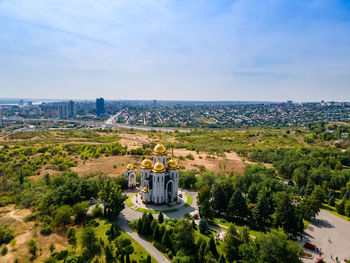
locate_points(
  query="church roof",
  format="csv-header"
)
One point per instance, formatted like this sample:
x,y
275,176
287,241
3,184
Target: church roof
x,y
172,164
146,164
129,167
159,149
158,167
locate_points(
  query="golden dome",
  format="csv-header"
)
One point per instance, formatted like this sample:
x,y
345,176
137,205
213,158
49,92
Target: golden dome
x,y
158,167
159,149
146,164
173,165
145,189
130,167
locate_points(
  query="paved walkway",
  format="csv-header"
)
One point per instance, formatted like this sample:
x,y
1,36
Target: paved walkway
x,y
328,226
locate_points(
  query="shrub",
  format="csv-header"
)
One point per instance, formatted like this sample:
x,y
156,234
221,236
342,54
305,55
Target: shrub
x,y
96,211
45,230
31,217
93,223
125,242
6,234
4,250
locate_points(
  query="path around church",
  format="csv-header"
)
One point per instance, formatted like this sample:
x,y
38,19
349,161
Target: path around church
x,y
129,214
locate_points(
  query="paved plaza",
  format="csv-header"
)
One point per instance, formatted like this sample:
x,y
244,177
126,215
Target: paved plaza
x,y
331,234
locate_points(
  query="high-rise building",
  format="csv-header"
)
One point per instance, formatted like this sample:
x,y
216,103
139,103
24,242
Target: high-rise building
x,y
71,109
100,107
62,111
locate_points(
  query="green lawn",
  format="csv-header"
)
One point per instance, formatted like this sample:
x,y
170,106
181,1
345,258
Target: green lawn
x,y
189,200
128,201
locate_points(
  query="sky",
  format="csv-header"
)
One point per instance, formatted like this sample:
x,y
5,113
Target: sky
x,y
246,50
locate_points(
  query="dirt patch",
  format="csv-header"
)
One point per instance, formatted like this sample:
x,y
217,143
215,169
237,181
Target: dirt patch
x,y
133,141
112,165
24,231
231,162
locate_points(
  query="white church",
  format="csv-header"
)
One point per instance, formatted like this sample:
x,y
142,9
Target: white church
x,y
159,178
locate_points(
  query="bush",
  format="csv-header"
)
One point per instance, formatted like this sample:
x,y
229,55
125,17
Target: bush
x,y
159,246
4,250
96,211
6,234
45,230
93,223
125,242
31,217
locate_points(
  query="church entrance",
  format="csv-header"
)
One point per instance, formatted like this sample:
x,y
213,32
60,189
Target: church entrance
x,y
170,192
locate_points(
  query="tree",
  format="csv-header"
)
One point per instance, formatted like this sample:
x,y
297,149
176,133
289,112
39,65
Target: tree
x,y
187,179
201,251
32,247
222,259
212,247
109,253
62,215
231,244
146,225
183,234
160,217
71,235
331,200
219,198
285,216
244,234
79,210
166,242
311,205
274,247
203,226
89,241
149,260
52,248
156,233
150,218
203,194
262,210
194,224
112,198
206,209
237,207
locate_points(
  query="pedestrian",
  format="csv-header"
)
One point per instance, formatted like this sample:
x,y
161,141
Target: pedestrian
x,y
336,258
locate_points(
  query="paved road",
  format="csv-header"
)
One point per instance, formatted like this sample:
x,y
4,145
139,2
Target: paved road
x,y
328,226
129,214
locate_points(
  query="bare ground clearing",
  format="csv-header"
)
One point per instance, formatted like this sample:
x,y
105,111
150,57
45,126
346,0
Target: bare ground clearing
x,y
24,231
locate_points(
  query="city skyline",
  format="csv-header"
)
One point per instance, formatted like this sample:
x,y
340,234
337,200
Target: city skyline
x,y
192,51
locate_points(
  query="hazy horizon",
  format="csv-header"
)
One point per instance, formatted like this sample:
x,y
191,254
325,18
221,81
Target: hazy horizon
x,y
169,50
